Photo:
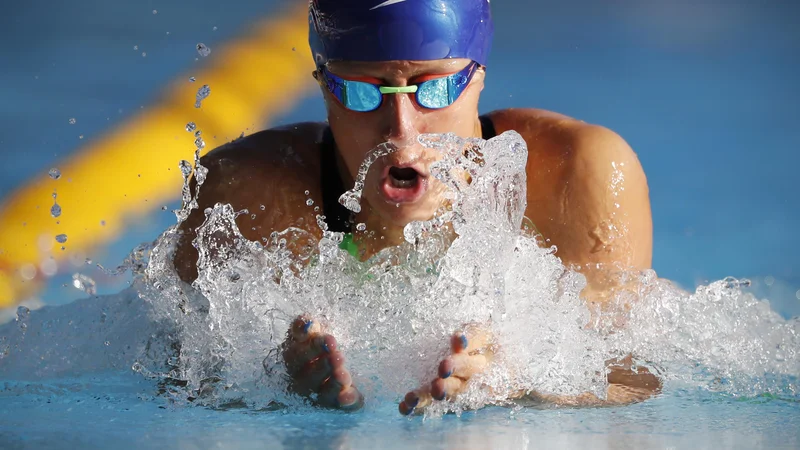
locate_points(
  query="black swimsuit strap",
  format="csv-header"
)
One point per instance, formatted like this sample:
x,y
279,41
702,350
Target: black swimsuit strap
x,y
336,216
487,128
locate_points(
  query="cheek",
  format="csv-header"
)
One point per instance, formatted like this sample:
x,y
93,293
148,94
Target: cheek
x,y
458,118
355,135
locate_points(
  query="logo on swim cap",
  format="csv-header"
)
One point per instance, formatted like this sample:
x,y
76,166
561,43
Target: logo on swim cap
x,y
371,30
387,3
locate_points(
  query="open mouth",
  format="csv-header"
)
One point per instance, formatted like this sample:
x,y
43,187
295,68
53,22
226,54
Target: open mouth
x,y
403,177
403,185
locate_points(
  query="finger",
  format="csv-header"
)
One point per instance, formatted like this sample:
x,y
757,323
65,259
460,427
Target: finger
x,y
298,354
416,401
329,391
312,376
350,399
472,339
303,328
447,388
463,365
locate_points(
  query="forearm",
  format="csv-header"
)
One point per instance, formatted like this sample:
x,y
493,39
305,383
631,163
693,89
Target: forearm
x,y
626,384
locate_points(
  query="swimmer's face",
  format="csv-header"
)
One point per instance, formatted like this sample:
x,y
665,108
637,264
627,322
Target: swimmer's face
x,y
399,187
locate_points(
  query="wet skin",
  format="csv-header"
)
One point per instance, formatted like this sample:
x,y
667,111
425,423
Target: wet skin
x,y
587,194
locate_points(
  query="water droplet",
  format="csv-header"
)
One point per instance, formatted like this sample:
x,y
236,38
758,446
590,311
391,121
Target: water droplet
x,y
191,126
202,93
306,192
361,226
107,343
192,79
55,211
88,261
316,209
214,29
84,283
72,121
80,137
203,50
155,12
263,207
294,49
197,133
199,143
61,238
136,47
54,173
309,202
163,208
102,223
252,216
22,315
797,294
144,54
186,168
63,248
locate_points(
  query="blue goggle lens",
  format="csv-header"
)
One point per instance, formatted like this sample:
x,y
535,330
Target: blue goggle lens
x,y
432,94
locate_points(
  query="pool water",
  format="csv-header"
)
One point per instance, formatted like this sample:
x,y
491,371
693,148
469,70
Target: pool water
x,y
112,411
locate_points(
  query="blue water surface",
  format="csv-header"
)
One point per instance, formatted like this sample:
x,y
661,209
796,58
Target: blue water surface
x,y
117,411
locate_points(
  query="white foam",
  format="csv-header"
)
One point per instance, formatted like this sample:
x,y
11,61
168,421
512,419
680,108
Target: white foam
x,y
394,314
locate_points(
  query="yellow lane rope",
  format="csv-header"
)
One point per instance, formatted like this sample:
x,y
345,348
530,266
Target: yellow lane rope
x,y
134,168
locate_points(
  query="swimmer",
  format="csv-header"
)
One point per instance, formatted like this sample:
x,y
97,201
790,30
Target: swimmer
x,y
390,71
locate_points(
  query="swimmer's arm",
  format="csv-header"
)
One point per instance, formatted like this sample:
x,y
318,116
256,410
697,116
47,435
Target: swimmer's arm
x,y
626,385
259,175
605,211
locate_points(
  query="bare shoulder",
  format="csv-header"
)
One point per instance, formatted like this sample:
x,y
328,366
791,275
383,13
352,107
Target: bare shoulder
x,y
267,174
268,152
557,135
586,188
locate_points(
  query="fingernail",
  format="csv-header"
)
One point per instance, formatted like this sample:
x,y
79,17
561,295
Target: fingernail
x,y
464,341
409,409
307,326
413,404
447,375
444,394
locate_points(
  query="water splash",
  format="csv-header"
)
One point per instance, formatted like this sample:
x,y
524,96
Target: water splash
x,y
54,173
351,199
218,339
84,283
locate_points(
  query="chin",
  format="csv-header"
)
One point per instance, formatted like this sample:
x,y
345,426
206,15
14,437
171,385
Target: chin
x,y
401,214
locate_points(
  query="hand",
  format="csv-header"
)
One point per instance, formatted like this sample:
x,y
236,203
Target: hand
x,y
471,353
317,367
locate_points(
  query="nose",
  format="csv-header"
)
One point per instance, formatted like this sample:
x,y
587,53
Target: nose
x,y
402,119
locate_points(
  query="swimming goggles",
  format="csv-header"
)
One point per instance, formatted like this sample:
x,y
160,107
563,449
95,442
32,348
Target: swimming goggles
x,y
432,94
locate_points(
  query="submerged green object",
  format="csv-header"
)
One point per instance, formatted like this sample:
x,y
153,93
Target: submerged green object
x,y
348,245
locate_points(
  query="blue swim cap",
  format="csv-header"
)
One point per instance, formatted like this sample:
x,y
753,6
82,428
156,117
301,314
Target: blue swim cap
x,y
388,30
